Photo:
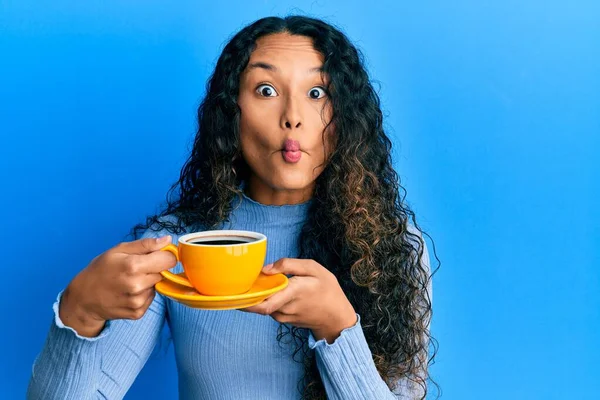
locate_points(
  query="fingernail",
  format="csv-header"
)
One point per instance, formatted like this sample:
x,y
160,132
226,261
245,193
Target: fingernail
x,y
268,266
164,239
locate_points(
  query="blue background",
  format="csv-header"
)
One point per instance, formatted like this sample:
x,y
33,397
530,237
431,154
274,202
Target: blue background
x,y
494,109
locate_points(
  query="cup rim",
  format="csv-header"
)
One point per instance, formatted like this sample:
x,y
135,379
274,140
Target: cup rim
x,y
184,240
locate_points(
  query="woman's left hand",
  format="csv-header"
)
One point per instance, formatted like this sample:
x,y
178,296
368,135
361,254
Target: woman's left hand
x,y
313,299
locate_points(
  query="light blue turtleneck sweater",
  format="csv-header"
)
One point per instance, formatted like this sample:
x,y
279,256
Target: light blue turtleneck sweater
x,y
219,354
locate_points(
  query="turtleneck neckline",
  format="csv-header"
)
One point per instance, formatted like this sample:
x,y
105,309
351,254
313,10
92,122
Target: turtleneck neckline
x,y
306,203
285,213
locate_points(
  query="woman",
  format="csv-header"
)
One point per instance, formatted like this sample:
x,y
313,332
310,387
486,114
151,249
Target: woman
x,y
290,144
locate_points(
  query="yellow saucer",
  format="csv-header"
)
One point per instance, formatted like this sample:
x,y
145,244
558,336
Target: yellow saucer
x,y
264,286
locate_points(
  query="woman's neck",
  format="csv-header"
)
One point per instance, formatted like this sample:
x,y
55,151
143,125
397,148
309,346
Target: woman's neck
x,y
262,193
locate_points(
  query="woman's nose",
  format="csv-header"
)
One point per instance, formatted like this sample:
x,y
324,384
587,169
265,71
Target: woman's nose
x,y
291,118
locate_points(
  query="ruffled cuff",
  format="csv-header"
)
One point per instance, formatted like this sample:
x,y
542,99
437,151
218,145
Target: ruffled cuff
x,y
59,323
351,346
346,366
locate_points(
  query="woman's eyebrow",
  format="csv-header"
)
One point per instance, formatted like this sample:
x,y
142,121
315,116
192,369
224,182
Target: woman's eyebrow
x,y
271,67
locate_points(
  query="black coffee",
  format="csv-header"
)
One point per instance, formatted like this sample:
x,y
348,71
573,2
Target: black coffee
x,y
221,242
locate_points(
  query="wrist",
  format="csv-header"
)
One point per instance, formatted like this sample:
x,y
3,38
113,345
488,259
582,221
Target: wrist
x,y
73,315
332,331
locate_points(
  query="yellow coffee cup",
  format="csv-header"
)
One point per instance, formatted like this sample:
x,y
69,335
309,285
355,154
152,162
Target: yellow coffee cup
x,y
219,263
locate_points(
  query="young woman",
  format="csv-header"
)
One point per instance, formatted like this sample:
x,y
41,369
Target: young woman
x,y
290,144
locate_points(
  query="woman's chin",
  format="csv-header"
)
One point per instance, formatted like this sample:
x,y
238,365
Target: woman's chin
x,y
295,180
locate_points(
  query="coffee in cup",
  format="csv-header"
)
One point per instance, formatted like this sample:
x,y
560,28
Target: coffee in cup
x,y
219,263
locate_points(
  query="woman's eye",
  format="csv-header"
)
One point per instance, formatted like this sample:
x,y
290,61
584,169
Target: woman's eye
x,y
316,93
266,91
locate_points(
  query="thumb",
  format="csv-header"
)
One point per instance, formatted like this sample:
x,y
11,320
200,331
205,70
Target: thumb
x,y
291,266
269,270
145,246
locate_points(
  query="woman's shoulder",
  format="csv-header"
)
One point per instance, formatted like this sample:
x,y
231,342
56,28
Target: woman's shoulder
x,y
414,234
416,237
169,224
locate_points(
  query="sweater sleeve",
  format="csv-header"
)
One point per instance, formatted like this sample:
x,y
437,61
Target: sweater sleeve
x,y
348,371
71,366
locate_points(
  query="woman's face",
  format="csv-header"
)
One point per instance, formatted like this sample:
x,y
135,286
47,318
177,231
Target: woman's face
x,y
284,111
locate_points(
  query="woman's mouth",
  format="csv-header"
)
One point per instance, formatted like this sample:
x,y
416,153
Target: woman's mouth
x,y
291,156
291,151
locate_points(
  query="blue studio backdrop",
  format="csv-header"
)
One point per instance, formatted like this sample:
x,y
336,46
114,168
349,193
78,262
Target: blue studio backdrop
x,y
493,108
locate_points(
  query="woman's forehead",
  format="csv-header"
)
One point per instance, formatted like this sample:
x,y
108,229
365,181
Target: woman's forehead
x,y
284,48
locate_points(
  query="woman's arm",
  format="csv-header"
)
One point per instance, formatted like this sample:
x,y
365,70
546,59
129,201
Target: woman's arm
x,y
348,371
347,368
314,299
73,366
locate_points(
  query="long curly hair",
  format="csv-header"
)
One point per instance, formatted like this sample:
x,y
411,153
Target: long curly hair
x,y
358,226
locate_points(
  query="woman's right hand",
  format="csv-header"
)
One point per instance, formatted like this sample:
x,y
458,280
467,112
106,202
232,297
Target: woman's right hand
x,y
118,284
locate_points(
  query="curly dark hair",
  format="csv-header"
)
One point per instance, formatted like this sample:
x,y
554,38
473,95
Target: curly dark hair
x,y
359,226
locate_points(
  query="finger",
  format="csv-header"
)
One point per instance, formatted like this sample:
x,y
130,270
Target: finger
x,y
143,284
136,309
140,298
156,262
144,246
136,265
129,301
151,297
274,303
293,266
152,279
285,318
